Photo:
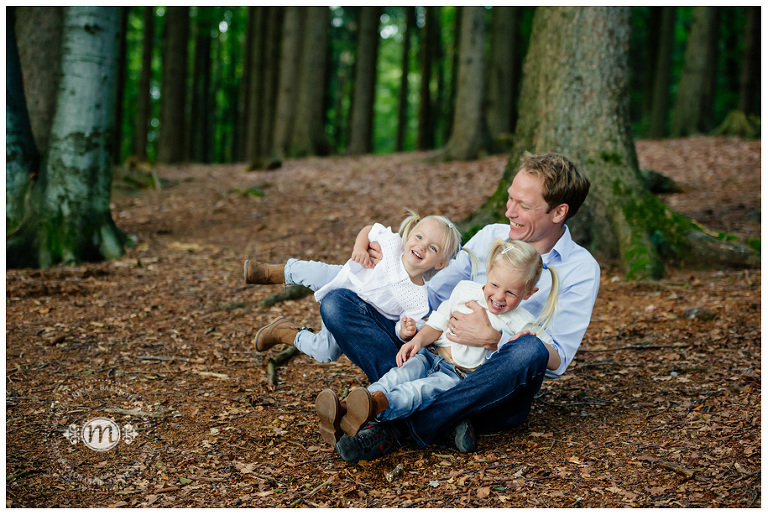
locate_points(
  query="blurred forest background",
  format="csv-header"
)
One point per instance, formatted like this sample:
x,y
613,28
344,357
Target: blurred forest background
x,y
219,84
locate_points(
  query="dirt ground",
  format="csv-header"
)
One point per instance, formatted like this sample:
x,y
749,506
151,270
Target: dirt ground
x,y
660,408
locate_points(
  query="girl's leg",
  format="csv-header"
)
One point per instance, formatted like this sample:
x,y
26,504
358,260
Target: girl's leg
x,y
320,346
312,274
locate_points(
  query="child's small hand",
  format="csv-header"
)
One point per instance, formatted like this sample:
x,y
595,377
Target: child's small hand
x,y
362,257
407,328
406,351
522,333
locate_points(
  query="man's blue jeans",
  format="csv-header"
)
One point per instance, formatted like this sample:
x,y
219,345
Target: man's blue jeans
x,y
496,396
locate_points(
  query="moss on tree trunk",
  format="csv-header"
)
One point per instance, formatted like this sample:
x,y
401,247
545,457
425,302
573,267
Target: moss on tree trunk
x,y
574,101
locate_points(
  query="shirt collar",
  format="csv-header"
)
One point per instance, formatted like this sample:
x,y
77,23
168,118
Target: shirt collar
x,y
562,248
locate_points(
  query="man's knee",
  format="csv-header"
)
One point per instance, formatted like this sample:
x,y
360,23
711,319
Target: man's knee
x,y
527,349
336,304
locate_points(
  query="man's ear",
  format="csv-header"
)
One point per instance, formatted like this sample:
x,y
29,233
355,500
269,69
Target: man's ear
x,y
559,213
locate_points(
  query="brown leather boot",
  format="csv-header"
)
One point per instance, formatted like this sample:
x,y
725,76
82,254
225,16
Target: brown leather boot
x,y
255,272
362,407
279,330
330,411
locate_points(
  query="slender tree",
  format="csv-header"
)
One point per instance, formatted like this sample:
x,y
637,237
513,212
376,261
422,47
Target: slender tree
x,y
750,72
38,34
405,68
425,138
663,73
288,83
120,79
144,104
308,135
201,120
174,87
470,130
67,217
502,80
692,108
270,75
574,100
361,120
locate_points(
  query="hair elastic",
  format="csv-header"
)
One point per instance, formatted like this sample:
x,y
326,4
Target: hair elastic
x,y
544,265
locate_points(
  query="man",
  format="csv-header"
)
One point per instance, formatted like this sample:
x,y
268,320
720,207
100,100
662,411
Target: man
x,y
547,190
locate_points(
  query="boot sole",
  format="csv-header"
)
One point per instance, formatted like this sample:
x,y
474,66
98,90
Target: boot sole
x,y
257,338
329,412
359,411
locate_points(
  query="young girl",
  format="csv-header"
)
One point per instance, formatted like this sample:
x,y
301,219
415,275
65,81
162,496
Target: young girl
x,y
394,287
430,363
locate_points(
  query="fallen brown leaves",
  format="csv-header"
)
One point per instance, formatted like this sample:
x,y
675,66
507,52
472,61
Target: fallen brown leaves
x,y
661,406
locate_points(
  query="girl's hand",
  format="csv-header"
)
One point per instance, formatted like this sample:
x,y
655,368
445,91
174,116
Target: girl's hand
x,y
375,253
521,333
407,328
406,351
362,257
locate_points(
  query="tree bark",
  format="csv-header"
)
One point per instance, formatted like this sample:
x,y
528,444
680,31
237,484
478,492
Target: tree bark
x,y
502,80
68,218
405,68
750,74
309,129
470,132
574,100
174,86
144,105
271,73
425,138
663,73
361,122
450,110
287,90
38,36
22,159
201,122
692,102
122,70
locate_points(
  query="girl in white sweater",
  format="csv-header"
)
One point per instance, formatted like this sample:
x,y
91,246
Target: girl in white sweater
x,y
430,363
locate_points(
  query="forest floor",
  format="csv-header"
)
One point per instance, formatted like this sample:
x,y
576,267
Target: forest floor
x,y
661,406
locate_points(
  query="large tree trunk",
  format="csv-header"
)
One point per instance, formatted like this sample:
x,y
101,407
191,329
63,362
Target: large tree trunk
x,y
201,119
502,80
144,105
309,129
361,120
38,36
470,131
22,159
174,88
694,97
574,101
405,68
662,77
270,75
68,218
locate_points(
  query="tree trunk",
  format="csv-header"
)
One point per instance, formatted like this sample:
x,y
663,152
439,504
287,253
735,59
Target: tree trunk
x,y
749,92
174,86
361,123
288,85
68,218
425,138
695,86
502,81
201,121
144,105
22,159
271,71
405,68
255,81
120,78
470,132
450,110
663,73
38,36
309,129
574,100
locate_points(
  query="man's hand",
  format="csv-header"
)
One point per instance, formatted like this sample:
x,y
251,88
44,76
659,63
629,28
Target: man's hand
x,y
374,253
407,328
473,329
